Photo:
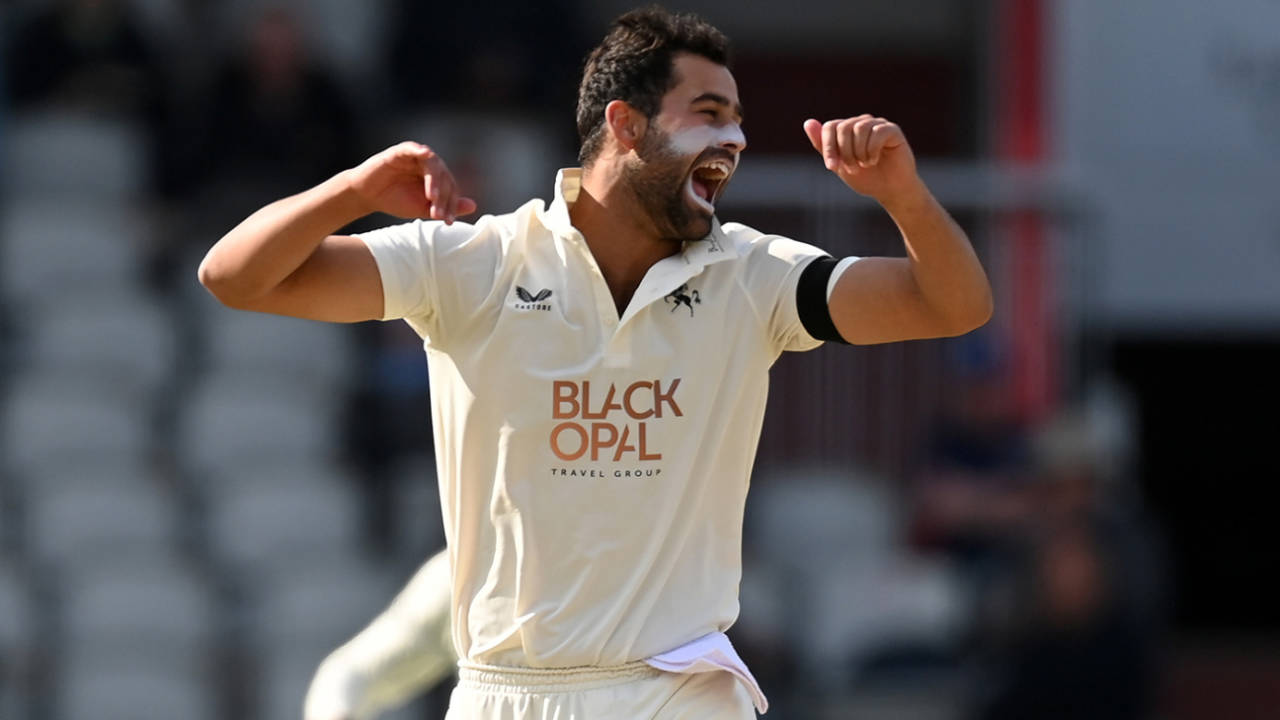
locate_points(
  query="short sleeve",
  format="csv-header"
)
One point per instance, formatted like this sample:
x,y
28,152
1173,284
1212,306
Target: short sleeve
x,y
431,271
774,267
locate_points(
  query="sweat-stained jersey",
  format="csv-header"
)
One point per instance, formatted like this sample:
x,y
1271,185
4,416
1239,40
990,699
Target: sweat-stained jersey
x,y
593,468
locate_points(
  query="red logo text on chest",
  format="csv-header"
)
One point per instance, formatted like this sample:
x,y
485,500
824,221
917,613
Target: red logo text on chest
x,y
615,424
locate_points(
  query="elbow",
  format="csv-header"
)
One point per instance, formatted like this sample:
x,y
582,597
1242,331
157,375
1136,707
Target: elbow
x,y
986,307
216,282
222,284
970,315
207,277
980,312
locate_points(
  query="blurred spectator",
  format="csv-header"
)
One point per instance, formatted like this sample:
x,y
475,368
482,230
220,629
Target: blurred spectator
x,y
279,119
396,402
971,491
272,119
1057,555
1073,652
192,39
491,56
1074,634
85,54
388,420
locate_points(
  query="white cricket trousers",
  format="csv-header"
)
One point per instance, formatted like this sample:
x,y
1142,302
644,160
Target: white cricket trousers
x,y
634,691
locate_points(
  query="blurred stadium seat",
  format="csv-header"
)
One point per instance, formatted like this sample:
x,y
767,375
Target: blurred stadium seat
x,y
124,340
419,526
259,529
301,614
78,156
17,633
318,354
283,675
47,418
228,420
55,248
810,519
321,599
154,605
74,522
855,613
287,474
850,587
111,686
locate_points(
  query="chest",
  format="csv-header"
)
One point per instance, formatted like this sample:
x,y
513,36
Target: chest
x,y
557,323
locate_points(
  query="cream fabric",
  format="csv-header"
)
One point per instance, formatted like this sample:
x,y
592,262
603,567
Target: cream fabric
x,y
627,692
593,468
711,653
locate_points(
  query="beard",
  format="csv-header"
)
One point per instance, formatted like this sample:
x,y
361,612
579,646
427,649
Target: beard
x,y
658,183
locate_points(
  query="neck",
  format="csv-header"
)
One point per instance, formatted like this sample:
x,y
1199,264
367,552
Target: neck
x,y
620,236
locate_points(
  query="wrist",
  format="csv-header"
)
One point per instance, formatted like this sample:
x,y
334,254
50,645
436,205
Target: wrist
x,y
344,199
907,198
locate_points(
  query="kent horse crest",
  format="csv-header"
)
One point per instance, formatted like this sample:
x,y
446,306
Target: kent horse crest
x,y
682,296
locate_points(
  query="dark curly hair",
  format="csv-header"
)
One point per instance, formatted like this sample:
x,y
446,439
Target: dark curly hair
x,y
634,64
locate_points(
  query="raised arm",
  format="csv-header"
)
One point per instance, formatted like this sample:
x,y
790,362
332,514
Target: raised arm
x,y
284,259
939,289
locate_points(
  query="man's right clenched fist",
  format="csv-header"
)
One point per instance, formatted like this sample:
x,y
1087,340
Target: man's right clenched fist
x,y
410,180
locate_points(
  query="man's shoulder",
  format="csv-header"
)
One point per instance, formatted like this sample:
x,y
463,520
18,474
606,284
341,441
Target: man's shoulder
x,y
742,236
752,244
497,229
530,215
488,236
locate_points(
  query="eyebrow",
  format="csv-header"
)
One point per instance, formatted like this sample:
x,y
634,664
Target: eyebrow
x,y
720,100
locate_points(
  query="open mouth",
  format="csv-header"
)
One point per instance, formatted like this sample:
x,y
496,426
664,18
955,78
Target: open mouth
x,y
707,181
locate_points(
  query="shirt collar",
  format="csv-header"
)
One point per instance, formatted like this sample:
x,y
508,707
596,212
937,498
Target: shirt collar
x,y
568,183
716,246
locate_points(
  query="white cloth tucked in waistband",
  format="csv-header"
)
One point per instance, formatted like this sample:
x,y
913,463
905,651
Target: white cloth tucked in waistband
x,y
710,653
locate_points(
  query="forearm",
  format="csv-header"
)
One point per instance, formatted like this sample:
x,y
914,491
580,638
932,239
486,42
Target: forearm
x,y
384,666
404,651
405,661
269,245
943,264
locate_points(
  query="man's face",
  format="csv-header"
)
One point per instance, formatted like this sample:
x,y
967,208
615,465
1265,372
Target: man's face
x,y
689,149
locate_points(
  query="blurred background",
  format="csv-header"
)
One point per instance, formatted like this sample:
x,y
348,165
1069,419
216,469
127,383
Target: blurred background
x,y
1059,516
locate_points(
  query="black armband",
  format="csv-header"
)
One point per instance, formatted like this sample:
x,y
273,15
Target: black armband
x,y
811,300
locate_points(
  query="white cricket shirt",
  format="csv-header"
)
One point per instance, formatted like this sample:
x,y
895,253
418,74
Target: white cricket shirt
x,y
593,468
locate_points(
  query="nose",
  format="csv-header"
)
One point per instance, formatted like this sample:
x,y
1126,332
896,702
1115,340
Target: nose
x,y
732,138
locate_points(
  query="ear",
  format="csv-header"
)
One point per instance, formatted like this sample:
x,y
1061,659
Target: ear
x,y
626,124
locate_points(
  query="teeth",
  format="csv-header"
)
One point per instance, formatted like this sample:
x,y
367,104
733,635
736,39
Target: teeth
x,y
716,169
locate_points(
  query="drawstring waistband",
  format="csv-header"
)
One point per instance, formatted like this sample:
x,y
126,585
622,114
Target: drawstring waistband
x,y
550,680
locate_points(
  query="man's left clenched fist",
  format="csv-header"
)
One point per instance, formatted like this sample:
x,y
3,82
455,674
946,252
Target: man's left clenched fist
x,y
870,154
